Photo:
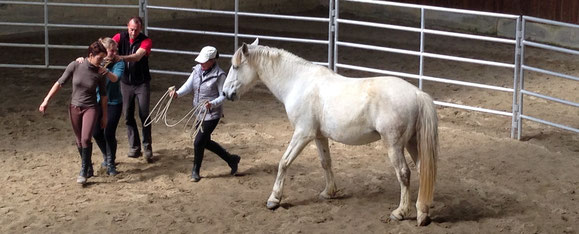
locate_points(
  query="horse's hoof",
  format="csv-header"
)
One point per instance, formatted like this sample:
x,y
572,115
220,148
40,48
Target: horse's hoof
x,y
423,220
325,196
395,218
272,205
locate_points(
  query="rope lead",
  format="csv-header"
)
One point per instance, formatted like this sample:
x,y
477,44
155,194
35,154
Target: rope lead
x,y
197,114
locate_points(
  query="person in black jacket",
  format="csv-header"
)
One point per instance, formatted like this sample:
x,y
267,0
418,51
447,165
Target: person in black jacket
x,y
134,49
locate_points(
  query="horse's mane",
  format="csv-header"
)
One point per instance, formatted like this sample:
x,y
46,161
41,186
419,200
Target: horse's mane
x,y
276,57
271,53
261,53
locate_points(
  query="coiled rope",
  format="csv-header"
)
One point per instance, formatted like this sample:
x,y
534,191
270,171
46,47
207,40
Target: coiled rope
x,y
197,114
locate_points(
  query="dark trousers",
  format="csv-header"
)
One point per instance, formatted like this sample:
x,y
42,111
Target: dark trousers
x,y
106,138
83,120
203,141
142,94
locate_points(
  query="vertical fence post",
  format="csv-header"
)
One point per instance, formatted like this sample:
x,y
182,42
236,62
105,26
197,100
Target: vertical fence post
x,y
236,27
331,31
515,118
46,51
336,10
143,14
421,68
521,79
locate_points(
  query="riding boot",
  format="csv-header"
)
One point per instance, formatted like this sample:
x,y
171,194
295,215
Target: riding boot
x,y
195,176
102,144
79,151
81,179
111,155
148,152
87,153
231,159
233,163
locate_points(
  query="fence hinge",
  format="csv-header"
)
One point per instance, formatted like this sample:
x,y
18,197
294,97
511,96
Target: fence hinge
x,y
333,20
142,7
516,112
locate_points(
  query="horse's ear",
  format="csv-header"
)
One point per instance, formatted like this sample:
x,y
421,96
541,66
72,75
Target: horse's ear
x,y
244,49
236,59
256,41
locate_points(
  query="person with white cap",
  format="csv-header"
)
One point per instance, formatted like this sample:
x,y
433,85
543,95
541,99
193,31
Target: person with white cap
x,y
206,83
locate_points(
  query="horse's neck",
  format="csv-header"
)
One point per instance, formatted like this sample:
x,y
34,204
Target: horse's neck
x,y
282,79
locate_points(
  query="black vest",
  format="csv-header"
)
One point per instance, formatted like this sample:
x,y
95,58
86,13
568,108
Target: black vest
x,y
135,72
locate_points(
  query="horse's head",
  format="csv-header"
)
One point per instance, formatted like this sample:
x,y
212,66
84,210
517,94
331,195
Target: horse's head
x,y
242,76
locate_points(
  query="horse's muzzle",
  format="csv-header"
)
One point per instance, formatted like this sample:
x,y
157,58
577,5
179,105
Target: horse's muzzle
x,y
230,97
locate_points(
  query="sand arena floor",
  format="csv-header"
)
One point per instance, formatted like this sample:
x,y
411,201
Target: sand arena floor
x,y
488,183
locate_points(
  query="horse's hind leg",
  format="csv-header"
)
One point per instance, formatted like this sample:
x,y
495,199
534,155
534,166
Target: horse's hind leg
x,y
396,155
412,148
299,140
324,153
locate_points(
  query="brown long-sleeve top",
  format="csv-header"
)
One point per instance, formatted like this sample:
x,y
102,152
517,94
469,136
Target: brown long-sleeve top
x,y
85,79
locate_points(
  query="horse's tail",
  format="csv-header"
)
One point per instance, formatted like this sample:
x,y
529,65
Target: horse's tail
x,y
427,142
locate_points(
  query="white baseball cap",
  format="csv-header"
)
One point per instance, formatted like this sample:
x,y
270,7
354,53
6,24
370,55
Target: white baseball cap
x,y
208,52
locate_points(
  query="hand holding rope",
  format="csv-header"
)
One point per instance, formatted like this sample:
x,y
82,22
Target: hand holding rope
x,y
197,114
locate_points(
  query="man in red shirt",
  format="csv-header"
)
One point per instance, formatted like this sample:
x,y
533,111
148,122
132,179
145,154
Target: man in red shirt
x,y
134,49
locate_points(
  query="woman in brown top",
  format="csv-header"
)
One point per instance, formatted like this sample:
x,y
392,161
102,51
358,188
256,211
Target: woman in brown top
x,y
86,77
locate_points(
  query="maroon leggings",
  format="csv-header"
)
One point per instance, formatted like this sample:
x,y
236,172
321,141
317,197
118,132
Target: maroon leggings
x,y
83,120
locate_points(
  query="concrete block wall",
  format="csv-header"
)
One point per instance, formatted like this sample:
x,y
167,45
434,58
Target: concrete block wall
x,y
555,35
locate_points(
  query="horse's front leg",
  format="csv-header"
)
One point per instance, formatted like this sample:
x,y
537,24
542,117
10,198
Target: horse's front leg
x,y
326,160
299,140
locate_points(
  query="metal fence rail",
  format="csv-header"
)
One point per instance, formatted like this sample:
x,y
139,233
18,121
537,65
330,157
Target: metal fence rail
x,y
522,91
235,34
422,54
45,4
334,43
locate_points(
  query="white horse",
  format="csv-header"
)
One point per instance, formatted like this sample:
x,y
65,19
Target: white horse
x,y
322,104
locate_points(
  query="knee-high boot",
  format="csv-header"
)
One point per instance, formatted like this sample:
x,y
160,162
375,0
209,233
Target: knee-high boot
x,y
99,138
231,159
195,176
88,155
86,170
111,156
81,179
233,163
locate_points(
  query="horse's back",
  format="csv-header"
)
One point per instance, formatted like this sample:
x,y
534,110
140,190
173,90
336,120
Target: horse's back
x,y
375,94
358,110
